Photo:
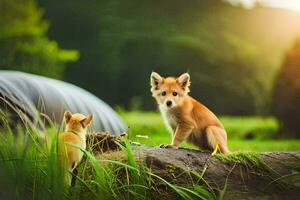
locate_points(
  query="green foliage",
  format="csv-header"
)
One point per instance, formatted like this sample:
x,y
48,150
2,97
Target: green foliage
x,y
286,93
24,45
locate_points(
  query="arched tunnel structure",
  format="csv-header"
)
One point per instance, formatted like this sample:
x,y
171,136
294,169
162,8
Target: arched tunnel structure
x,y
33,94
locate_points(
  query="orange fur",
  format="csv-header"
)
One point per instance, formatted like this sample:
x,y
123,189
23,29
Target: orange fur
x,y
185,117
73,140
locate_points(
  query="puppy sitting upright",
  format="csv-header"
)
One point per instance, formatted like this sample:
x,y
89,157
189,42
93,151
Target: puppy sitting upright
x,y
185,117
73,139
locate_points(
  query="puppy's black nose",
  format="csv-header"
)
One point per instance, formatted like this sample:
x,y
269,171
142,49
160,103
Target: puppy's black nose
x,y
169,103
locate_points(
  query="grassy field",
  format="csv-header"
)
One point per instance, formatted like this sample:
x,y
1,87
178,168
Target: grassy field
x,y
30,169
244,133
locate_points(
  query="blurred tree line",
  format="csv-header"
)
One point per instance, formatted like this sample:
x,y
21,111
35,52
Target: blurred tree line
x,y
24,44
231,53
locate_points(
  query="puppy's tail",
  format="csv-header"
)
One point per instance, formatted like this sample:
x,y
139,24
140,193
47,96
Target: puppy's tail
x,y
217,139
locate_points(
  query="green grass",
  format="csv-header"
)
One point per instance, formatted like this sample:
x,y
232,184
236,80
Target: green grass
x,y
30,169
243,158
148,128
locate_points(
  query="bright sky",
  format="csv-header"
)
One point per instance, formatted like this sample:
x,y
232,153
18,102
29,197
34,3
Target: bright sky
x,y
288,4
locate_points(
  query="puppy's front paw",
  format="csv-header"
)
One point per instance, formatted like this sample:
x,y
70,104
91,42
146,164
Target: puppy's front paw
x,y
168,146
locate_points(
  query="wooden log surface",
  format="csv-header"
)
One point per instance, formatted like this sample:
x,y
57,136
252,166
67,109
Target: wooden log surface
x,y
267,175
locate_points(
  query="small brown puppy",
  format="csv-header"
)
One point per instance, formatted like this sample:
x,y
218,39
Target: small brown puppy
x,y
73,139
185,117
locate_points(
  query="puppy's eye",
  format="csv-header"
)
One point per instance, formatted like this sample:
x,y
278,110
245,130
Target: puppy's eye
x,y
175,94
163,93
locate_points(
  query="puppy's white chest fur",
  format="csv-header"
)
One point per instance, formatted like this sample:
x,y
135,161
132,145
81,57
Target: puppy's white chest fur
x,y
169,119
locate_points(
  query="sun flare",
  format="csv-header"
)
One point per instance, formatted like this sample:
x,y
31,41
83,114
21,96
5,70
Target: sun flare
x,y
285,4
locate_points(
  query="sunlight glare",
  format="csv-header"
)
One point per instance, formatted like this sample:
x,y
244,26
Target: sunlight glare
x,y
285,4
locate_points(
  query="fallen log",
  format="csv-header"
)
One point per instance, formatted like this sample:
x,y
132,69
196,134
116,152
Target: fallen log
x,y
269,175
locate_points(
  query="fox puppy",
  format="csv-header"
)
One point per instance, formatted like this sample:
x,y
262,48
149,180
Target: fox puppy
x,y
185,117
73,139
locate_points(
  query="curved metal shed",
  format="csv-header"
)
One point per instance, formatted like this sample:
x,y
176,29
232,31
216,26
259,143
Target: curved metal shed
x,y
37,94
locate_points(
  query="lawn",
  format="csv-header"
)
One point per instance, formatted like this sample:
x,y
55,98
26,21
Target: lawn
x,y
244,133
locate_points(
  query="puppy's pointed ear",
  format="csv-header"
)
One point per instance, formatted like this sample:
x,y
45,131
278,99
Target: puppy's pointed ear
x,y
156,80
184,81
67,116
87,121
